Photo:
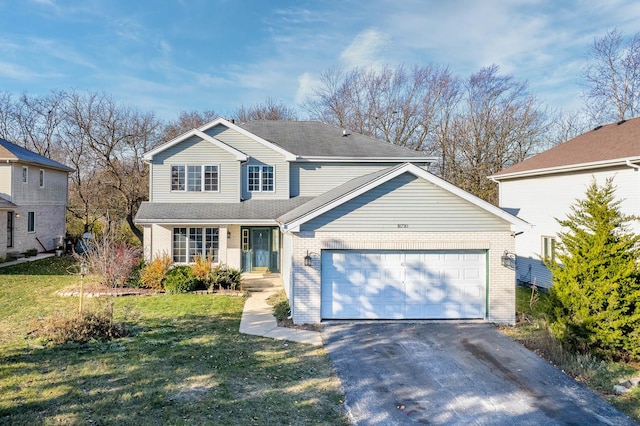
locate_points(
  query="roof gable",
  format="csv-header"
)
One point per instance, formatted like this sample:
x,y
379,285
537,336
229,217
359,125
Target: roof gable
x,y
607,145
292,220
240,156
14,153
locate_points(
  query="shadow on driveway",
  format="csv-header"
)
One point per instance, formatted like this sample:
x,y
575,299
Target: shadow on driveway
x,y
454,374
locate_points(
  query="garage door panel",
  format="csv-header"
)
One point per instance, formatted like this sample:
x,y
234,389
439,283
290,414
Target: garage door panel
x,y
402,284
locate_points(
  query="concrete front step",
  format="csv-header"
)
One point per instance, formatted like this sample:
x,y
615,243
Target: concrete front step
x,y
260,282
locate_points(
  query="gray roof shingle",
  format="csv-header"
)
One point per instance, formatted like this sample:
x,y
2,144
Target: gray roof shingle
x,y
216,212
333,194
12,152
315,139
6,204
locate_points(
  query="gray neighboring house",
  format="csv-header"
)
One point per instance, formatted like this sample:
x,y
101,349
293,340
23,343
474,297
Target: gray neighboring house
x,y
33,200
357,228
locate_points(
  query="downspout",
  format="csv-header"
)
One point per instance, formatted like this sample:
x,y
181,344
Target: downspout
x,y
636,167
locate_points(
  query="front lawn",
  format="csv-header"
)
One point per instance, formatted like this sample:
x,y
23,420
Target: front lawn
x,y
185,363
600,376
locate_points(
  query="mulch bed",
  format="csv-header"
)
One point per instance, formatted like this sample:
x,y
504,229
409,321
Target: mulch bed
x,y
96,290
289,324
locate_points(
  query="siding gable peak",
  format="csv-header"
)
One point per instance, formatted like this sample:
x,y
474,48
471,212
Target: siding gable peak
x,y
240,156
350,190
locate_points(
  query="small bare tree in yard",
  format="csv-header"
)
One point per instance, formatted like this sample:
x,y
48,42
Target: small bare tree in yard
x,y
109,259
187,120
612,77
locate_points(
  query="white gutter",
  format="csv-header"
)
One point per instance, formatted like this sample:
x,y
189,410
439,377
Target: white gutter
x,y
633,166
570,168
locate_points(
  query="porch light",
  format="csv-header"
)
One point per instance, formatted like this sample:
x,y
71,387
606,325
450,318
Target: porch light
x,y
509,260
307,259
17,215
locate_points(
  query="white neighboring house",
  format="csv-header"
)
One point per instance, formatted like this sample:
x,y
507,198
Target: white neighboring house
x,y
357,228
543,187
33,200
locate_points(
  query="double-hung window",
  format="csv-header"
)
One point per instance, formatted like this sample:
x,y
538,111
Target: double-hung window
x,y
191,242
261,178
194,178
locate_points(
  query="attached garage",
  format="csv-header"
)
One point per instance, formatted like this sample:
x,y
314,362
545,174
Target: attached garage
x,y
403,284
399,244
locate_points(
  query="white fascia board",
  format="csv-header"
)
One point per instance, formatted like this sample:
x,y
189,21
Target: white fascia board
x,y
563,169
195,132
419,172
311,159
287,155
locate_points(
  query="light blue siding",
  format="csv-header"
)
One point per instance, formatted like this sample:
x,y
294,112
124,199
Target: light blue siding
x,y
311,179
407,204
259,154
195,151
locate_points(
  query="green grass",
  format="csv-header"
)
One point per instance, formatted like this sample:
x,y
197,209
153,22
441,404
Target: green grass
x,y
185,363
600,376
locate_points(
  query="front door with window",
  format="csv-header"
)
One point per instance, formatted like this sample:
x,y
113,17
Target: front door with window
x,y
261,249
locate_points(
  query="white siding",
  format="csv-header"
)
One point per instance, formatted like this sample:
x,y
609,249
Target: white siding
x,y
311,179
542,199
195,151
404,205
5,181
259,155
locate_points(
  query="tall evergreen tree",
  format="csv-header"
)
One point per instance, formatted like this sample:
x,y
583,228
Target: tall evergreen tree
x,y
596,284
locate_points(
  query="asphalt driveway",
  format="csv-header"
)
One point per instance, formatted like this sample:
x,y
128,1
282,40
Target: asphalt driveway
x,y
454,374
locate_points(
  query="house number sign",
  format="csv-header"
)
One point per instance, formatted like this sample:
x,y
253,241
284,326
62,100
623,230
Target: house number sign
x,y
403,225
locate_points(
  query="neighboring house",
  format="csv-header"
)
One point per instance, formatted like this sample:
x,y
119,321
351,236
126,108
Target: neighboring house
x,y
33,200
542,188
358,228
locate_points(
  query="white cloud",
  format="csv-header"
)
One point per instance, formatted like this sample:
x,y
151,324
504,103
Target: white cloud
x,y
366,49
307,83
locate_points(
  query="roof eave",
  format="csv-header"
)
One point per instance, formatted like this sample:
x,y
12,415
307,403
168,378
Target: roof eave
x,y
206,222
563,169
330,159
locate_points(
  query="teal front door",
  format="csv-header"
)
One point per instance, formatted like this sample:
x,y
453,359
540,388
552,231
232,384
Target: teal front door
x,y
260,243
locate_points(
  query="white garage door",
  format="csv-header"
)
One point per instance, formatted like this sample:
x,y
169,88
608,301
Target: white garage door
x,y
403,284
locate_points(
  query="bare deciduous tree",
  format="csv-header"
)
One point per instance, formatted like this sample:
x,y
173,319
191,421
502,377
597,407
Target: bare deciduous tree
x,y
187,120
114,137
399,106
612,77
270,109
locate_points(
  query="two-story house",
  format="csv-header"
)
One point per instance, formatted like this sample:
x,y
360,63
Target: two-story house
x,y
542,188
358,228
33,200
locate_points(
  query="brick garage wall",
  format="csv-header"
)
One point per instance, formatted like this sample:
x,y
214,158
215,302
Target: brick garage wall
x,y
307,280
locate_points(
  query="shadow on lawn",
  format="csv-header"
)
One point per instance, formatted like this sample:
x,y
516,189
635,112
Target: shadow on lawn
x,y
191,368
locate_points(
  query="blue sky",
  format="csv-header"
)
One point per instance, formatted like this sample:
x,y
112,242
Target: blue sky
x,y
169,56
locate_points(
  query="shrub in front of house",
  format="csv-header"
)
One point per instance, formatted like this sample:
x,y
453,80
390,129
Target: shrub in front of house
x,y
180,280
134,279
225,278
153,274
96,323
202,270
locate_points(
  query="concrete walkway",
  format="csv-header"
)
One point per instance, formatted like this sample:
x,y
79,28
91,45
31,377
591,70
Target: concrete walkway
x,y
26,259
258,319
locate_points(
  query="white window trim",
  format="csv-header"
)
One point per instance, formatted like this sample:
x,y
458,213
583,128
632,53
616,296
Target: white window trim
x,y
25,175
261,167
552,243
41,178
186,177
204,233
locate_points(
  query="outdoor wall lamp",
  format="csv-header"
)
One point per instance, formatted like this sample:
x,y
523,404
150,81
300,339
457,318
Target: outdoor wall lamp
x,y
228,234
307,258
509,260
17,215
